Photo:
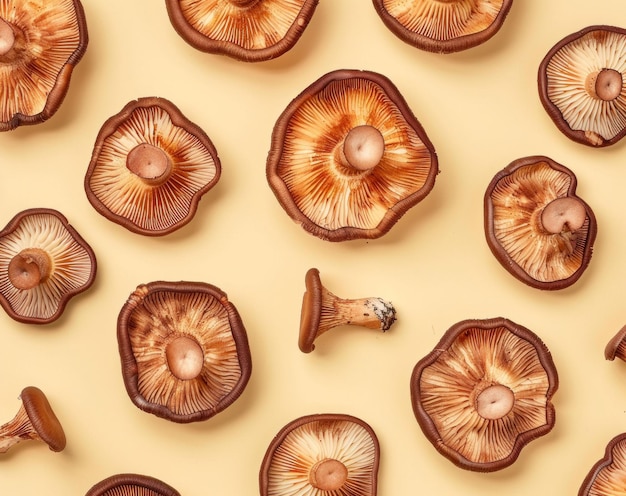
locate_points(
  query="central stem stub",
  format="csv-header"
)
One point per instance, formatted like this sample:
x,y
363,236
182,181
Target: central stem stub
x,y
149,162
609,84
495,402
29,268
363,147
566,213
7,37
328,475
185,358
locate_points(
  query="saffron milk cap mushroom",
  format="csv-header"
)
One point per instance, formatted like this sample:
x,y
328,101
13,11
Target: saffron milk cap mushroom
x,y
322,455
131,485
348,158
322,311
35,420
484,392
184,350
443,26
44,262
581,85
41,41
246,30
536,225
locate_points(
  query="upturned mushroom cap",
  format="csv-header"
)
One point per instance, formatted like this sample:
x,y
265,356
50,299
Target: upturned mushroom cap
x,y
581,85
184,350
246,30
322,311
150,167
44,262
536,226
131,485
443,26
616,347
606,477
484,392
348,158
35,420
322,454
40,44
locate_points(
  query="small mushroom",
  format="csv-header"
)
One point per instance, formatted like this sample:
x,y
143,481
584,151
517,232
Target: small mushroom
x,y
184,350
150,167
131,485
43,263
40,44
322,455
616,347
348,158
484,392
536,226
606,477
35,420
323,311
581,85
246,30
443,26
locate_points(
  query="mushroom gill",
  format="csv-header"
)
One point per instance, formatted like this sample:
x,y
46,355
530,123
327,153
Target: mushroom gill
x,y
484,392
131,485
184,350
150,167
348,158
323,454
40,44
607,476
581,85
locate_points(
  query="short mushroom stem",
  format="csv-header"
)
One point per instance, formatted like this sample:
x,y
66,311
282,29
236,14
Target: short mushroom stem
x,y
17,430
328,475
150,163
606,85
494,402
563,214
7,37
29,268
185,357
363,147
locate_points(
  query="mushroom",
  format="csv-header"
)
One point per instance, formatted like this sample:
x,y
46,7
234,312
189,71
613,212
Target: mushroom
x,y
484,392
43,263
536,226
40,44
322,311
348,158
443,26
35,420
323,454
150,167
606,477
616,347
184,350
246,30
131,485
581,85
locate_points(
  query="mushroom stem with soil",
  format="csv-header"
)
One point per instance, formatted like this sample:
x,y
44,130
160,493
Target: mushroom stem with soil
x,y
322,311
35,420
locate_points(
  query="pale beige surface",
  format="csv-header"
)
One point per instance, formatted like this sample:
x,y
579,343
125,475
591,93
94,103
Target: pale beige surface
x,y
481,110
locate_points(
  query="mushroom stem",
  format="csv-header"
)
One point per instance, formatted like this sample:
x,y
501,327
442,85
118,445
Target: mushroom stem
x,y
566,213
29,268
7,37
243,3
606,84
17,430
150,163
328,475
494,402
363,148
185,357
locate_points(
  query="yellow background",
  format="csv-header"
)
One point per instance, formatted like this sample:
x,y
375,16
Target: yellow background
x,y
481,110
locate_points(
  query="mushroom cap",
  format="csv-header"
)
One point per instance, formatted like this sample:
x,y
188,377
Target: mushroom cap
x,y
514,201
581,85
501,359
72,267
49,39
250,31
131,485
160,313
443,26
150,167
43,418
311,310
307,171
347,444
606,477
616,347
